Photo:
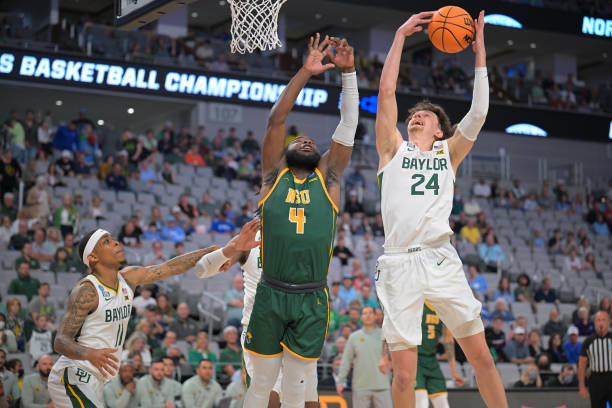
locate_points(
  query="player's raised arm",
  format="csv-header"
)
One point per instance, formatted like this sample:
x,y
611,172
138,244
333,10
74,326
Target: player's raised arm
x,y
388,137
337,158
83,301
274,140
461,142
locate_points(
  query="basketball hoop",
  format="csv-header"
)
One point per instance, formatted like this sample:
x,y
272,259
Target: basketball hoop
x,y
255,25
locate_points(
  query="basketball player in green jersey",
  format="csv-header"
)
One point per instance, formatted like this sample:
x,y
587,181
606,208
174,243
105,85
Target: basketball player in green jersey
x,y
298,209
430,382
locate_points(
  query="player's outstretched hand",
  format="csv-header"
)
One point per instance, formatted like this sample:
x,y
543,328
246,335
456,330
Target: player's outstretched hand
x,y
414,23
478,44
344,58
245,241
317,50
104,360
459,381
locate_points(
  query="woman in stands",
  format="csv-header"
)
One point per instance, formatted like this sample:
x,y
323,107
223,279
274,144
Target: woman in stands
x,y
555,349
137,344
503,291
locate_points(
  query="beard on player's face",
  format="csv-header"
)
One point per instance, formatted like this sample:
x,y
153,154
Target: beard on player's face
x,y
301,161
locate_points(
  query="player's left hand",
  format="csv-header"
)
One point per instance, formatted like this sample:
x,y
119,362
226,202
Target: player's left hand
x,y
245,241
459,381
317,50
344,58
478,44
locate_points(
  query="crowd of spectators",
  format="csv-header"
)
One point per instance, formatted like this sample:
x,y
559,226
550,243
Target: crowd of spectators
x,y
166,342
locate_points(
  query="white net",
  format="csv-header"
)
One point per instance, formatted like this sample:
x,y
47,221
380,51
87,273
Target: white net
x,y
255,25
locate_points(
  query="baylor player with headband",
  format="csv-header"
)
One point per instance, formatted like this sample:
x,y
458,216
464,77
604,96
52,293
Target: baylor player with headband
x,y
92,331
416,179
250,262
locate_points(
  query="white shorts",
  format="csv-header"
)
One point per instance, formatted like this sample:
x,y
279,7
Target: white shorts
x,y
73,387
311,377
405,280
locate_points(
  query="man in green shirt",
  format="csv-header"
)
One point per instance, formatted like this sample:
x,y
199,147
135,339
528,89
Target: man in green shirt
x,y
119,392
206,208
34,392
9,381
232,353
26,256
8,206
24,284
156,391
201,390
363,352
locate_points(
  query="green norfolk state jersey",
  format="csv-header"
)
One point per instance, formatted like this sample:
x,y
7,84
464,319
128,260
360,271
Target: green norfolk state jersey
x,y
298,225
432,329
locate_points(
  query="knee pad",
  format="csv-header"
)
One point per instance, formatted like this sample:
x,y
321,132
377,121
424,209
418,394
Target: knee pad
x,y
293,386
468,329
420,399
264,375
440,401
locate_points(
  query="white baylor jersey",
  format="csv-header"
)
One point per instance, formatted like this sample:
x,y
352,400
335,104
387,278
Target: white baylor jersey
x,y
107,325
252,274
416,196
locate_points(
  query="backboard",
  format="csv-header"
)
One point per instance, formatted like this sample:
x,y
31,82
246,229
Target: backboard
x,y
131,14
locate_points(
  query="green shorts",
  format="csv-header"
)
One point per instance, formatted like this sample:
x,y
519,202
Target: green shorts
x,y
296,322
429,376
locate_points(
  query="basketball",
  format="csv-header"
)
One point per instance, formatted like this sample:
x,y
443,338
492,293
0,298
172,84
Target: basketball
x,y
451,29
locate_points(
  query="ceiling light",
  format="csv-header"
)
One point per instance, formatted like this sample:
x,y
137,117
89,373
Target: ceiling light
x,y
130,111
222,2
100,122
59,102
605,55
510,43
344,20
194,14
318,16
532,45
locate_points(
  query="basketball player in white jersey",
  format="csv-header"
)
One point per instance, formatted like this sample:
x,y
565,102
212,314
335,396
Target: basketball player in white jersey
x,y
250,263
92,331
416,178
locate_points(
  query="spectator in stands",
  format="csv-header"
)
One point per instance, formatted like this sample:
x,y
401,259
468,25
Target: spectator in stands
x,y
498,337
115,180
15,319
179,249
347,292
193,156
477,282
366,247
573,263
524,292
24,284
554,243
491,253
470,231
517,193
234,298
458,206
572,345
566,378
184,326
65,165
41,306
569,244
61,261
164,307
366,299
556,352
40,339
119,392
145,326
19,239
39,200
356,181
26,256
137,344
232,353
546,294
202,390
502,310
584,323
227,169
9,381
538,240
585,246
530,378
154,390
172,231
66,216
10,173
554,324
600,227
353,206
6,230
517,350
244,216
337,302
168,342
152,233
8,342
563,205
503,291
222,225
187,208
129,236
531,203
54,239
535,344
481,189
205,207
34,391
143,300
41,250
168,174
342,252
201,351
605,305
147,175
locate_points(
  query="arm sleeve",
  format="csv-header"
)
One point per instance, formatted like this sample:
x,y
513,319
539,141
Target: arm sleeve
x,y
471,123
349,111
347,359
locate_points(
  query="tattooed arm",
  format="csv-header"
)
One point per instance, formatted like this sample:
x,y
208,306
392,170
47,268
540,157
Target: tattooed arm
x,y
138,275
449,348
83,301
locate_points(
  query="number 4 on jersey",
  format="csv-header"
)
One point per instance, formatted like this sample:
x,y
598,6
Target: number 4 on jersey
x,y
296,215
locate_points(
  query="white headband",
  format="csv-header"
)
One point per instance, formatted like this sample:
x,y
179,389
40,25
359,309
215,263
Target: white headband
x,y
91,243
